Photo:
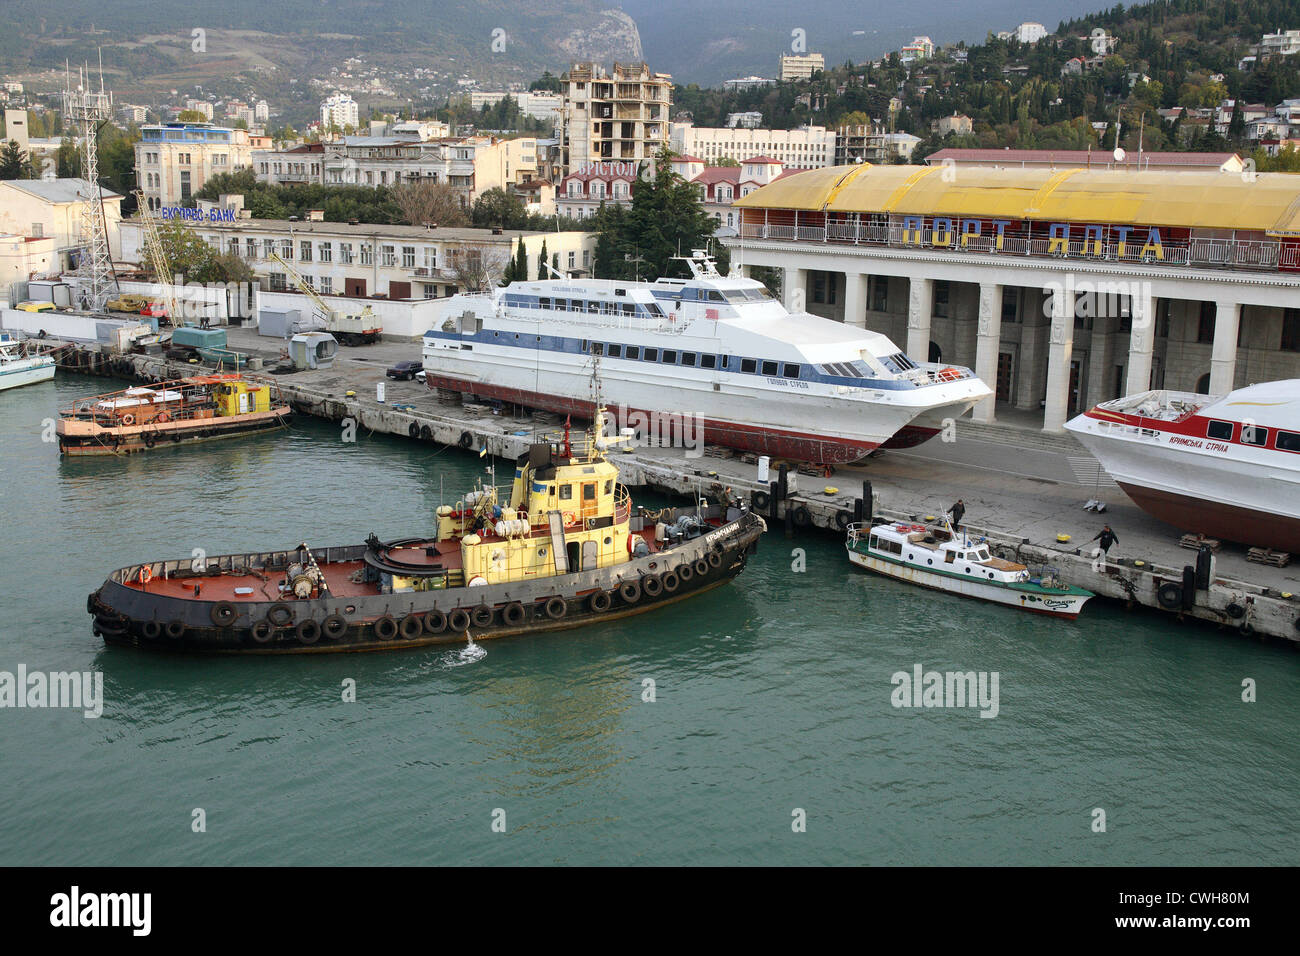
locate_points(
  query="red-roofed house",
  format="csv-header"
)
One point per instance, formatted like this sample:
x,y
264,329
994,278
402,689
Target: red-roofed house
x,y
582,192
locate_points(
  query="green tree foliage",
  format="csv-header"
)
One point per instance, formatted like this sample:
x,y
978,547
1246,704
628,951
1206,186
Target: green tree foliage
x,y
495,208
542,261
665,219
14,163
188,255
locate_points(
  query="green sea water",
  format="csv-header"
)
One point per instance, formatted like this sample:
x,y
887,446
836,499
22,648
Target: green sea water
x,y
771,702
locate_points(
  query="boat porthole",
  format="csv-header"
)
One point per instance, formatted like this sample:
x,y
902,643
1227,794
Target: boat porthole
x,y
350,609
929,560
910,557
609,541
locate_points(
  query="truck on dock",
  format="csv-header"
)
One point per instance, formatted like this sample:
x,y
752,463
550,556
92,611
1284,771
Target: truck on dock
x,y
349,328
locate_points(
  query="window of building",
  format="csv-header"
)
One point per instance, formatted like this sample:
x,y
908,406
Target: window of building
x,y
1009,313
1290,330
326,285
185,184
566,492
1205,324
286,250
304,250
941,293
367,254
250,248
277,281
879,293
326,252
408,257
268,246
345,253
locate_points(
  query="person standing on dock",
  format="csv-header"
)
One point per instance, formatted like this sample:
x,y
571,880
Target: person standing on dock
x,y
1105,537
958,511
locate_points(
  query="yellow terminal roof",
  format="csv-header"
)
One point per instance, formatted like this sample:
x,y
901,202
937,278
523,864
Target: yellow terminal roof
x,y
1201,200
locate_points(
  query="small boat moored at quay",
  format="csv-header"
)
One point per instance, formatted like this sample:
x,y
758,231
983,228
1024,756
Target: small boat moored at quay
x,y
198,408
559,548
935,556
17,369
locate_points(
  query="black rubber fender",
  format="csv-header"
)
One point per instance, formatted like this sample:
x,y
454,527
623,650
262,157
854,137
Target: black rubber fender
x,y
843,519
466,440
223,614
412,626
174,629
1235,611
671,582
426,432
413,430
652,586
513,614
261,631
555,607
385,628
802,517
1170,596
458,620
280,615
151,630
600,602
435,622
715,559
334,626
481,616
760,500
685,572
629,592
308,631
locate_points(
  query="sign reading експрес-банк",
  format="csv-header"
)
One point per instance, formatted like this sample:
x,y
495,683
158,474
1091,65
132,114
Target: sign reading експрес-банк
x,y
196,215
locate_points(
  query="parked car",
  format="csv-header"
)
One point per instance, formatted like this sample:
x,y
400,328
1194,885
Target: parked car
x,y
405,370
155,309
127,302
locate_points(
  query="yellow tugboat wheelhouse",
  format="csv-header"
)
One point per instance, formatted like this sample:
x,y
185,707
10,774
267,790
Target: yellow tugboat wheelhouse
x,y
561,546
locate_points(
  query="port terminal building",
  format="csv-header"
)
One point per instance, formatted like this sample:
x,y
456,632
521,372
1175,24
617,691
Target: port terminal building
x,y
1060,288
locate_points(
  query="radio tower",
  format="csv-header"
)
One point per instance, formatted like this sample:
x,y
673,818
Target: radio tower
x,y
87,110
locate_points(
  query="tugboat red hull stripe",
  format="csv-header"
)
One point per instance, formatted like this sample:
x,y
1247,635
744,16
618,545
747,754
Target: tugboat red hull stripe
x,y
801,446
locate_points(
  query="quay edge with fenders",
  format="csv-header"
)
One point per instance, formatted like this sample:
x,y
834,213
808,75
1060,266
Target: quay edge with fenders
x,y
1226,467
719,351
564,549
197,408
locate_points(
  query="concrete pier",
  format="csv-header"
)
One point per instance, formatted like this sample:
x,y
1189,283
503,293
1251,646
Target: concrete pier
x,y
1022,489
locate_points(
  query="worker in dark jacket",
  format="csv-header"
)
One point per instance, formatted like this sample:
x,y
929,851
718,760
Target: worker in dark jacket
x,y
1105,537
958,512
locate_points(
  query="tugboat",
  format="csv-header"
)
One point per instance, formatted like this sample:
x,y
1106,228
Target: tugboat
x,y
198,408
18,369
936,556
561,547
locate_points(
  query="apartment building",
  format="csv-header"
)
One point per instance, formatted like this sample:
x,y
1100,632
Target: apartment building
x,y
618,115
341,111
174,160
40,209
800,66
808,147
293,166
471,165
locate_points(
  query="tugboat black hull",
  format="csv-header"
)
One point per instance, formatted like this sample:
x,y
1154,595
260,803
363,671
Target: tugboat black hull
x,y
126,613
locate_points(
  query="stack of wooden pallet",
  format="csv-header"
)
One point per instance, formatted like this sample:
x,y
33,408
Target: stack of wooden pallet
x,y
1278,559
1194,542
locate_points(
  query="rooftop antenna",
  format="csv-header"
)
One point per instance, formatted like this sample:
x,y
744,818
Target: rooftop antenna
x,y
87,110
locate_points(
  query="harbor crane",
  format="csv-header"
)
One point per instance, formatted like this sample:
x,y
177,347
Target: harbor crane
x,y
350,328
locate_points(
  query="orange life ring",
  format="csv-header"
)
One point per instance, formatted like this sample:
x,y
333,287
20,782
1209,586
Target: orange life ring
x,y
146,575
570,519
164,417
128,419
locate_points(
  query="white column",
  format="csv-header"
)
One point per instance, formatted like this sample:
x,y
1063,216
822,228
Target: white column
x,y
794,285
920,305
988,336
855,300
1223,359
1141,339
1059,348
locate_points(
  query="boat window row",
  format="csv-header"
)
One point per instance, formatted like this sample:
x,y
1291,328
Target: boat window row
x,y
887,545
585,306
731,363
1256,435
898,363
845,369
